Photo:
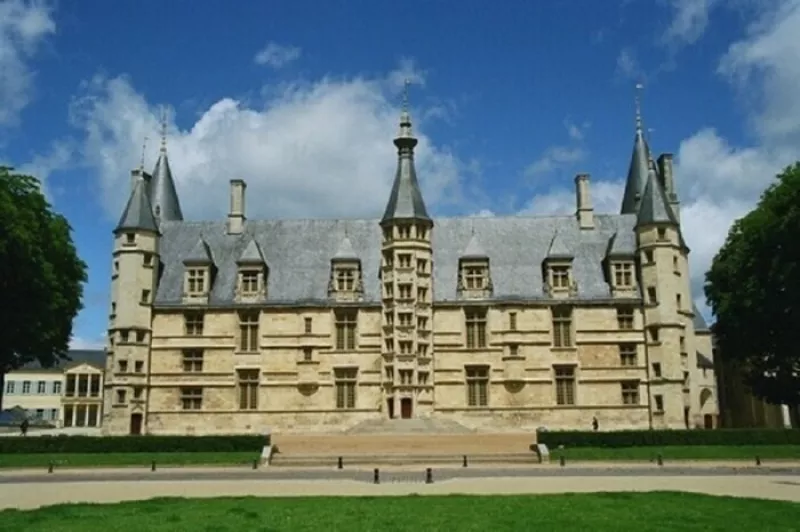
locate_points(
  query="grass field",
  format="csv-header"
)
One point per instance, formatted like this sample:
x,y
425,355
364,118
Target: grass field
x,y
641,512
577,454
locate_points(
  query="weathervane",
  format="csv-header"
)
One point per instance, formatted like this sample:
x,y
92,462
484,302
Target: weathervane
x,y
639,88
144,150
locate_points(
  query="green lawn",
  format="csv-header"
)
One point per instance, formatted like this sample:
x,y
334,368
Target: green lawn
x,y
677,452
126,459
641,512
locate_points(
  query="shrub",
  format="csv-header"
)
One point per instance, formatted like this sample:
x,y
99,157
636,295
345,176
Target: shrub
x,y
132,444
650,438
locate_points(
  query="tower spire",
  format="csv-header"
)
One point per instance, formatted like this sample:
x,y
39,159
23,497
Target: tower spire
x,y
640,163
405,200
144,151
164,196
638,99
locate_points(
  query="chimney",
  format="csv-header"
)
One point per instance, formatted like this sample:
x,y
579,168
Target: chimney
x,y
236,215
583,199
668,181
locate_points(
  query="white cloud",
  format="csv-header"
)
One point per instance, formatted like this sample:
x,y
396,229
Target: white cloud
x,y
628,66
318,149
78,342
560,157
689,21
719,182
23,26
276,56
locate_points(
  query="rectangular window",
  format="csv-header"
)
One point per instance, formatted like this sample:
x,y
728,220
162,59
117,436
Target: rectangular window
x,y
122,396
474,277
422,265
627,354
193,360
406,377
682,344
345,280
248,389
70,386
560,276
191,398
196,281
10,387
422,378
565,385
147,260
92,416
477,385
513,350
662,233
405,319
83,385
346,327
659,402
26,387
346,381
249,282
630,393
308,354
193,322
623,274
512,321
654,336
476,327
248,331
307,325
69,412
138,366
145,296
56,388
652,296
562,327
625,318
404,260
406,347
123,366
657,370
138,392
405,291
41,387
678,302
422,295
94,386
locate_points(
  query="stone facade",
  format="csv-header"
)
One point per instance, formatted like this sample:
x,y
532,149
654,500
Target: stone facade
x,y
504,323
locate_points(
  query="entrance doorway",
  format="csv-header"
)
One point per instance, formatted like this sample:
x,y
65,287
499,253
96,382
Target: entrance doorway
x,y
136,424
406,407
390,407
708,421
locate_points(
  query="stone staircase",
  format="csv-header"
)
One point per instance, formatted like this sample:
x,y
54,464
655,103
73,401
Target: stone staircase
x,y
403,442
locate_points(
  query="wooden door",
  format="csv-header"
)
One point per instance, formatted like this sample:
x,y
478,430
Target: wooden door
x,y
136,424
406,407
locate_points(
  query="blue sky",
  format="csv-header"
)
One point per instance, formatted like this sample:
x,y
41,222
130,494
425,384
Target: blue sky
x,y
510,100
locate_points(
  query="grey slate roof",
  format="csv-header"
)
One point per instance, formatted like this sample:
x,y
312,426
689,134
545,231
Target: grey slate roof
x,y
637,174
163,195
251,254
94,357
138,213
622,245
703,362
345,251
200,253
298,254
405,200
474,249
654,207
559,248
699,321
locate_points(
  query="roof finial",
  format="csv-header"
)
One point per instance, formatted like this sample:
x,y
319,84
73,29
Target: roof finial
x,y
406,83
144,150
639,88
163,129
405,117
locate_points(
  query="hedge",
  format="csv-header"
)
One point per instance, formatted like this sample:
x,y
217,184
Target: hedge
x,y
650,438
131,444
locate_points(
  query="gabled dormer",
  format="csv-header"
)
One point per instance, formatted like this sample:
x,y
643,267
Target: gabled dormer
x,y
559,280
252,277
474,272
620,264
346,279
198,273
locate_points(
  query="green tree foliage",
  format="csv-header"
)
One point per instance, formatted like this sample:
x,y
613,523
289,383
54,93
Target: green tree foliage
x,y
753,287
41,276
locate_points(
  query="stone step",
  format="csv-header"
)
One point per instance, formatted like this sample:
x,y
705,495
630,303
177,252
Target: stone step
x,y
403,444
281,460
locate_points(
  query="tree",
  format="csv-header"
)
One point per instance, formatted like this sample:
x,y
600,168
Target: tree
x,y
753,288
41,277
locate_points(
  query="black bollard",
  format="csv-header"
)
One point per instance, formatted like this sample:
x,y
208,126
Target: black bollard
x,y
660,459
758,460
255,464
562,460
50,467
376,476
153,466
465,460
340,464
429,476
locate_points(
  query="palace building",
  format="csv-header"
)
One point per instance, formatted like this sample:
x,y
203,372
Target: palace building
x,y
496,323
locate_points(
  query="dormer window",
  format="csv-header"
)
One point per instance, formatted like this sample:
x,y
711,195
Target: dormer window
x,y
559,277
346,282
253,274
474,275
198,272
557,269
